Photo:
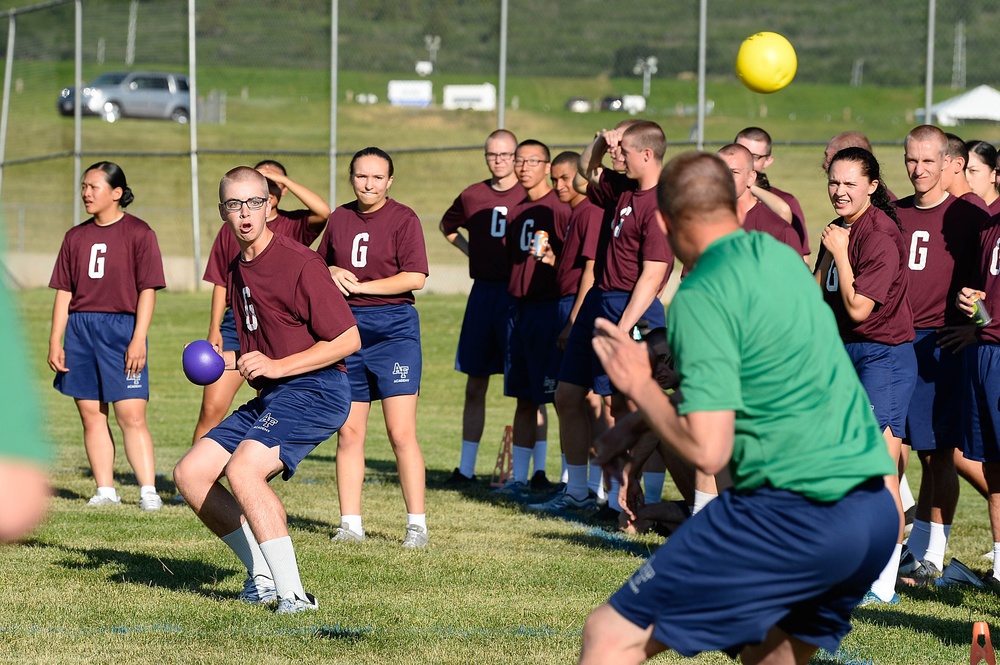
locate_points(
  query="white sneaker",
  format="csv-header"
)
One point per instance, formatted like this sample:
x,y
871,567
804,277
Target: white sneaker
x,y
294,605
258,590
101,500
150,502
416,536
343,534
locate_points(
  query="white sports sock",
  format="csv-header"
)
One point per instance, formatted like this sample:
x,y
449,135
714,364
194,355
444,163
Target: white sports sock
x,y
420,519
353,523
652,483
564,473
541,450
613,490
243,543
996,560
467,463
595,478
920,536
108,492
576,483
885,586
905,494
937,544
701,499
280,557
522,460
147,489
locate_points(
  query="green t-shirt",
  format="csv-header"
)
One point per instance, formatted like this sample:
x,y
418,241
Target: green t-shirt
x,y
23,437
750,333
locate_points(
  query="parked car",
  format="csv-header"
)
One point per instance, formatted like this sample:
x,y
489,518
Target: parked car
x,y
132,95
611,103
579,105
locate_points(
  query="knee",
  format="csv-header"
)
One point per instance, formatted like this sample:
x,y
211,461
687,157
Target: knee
x,y
475,389
184,476
568,397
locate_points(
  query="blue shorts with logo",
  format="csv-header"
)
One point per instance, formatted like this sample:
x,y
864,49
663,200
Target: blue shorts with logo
x,y
389,362
295,416
765,558
888,374
981,438
933,420
230,340
533,355
580,365
482,343
95,345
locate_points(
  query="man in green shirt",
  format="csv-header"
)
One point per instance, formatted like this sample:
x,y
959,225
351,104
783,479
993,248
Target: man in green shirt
x,y
773,568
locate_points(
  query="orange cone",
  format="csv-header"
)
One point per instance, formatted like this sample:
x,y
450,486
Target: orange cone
x,y
505,458
981,652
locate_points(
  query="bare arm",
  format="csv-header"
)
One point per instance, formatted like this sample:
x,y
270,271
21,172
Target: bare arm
x,y
60,315
643,294
318,207
456,239
135,355
586,282
321,354
590,161
777,204
218,309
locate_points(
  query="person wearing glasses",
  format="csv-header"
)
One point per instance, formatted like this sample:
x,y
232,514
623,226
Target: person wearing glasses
x,y
482,210
106,277
295,329
533,357
374,247
303,226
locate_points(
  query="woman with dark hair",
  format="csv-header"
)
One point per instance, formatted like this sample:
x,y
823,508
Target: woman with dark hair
x,y
375,249
862,271
980,173
106,277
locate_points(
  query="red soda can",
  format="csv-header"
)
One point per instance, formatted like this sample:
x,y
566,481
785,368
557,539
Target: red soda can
x,y
539,243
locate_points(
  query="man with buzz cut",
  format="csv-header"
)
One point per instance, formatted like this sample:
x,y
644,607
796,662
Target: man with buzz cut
x,y
295,329
755,215
773,568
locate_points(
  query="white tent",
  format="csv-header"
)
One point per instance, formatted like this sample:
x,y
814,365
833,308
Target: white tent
x,y
981,103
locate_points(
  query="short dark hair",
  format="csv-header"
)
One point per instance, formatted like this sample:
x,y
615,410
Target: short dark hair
x,y
115,177
567,156
370,151
538,144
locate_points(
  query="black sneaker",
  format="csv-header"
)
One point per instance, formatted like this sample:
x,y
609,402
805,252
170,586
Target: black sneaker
x,y
907,562
458,479
990,582
539,483
606,514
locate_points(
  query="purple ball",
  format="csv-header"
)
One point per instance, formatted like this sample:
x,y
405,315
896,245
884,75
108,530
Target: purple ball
x,y
202,363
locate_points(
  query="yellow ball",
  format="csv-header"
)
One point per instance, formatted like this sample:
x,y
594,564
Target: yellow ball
x,y
766,62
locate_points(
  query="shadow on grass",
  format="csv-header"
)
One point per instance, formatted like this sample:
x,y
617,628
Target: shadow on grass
x,y
951,632
135,568
596,538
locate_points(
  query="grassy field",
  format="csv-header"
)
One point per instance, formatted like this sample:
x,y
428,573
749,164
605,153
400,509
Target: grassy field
x,y
497,585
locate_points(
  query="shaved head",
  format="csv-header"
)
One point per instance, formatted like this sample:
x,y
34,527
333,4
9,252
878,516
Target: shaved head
x,y
695,186
242,174
929,133
844,140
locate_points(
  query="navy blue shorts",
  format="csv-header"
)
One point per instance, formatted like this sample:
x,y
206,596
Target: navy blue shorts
x,y
296,416
533,355
230,340
933,420
95,347
482,344
748,562
980,440
580,365
888,374
389,362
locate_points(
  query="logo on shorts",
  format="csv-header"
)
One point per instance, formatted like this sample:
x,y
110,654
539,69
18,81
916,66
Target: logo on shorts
x,y
266,422
549,385
644,574
402,371
134,381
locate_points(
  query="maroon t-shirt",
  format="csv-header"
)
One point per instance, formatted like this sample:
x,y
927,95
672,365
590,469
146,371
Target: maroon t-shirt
x,y
375,245
105,267
483,212
635,234
942,245
531,279
293,224
977,200
798,220
763,219
580,246
988,279
285,301
995,207
877,256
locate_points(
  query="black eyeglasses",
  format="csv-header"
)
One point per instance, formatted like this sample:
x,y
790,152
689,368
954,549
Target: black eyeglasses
x,y
532,162
499,156
253,203
756,157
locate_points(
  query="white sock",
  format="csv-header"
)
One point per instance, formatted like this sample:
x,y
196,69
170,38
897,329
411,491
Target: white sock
x,y
613,502
147,489
996,560
595,479
280,557
243,543
353,523
541,450
467,463
420,519
701,499
564,474
885,586
522,460
920,536
652,483
937,544
905,494
576,483
108,492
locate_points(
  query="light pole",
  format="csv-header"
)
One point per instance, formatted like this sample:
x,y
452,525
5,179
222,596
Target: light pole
x,y
646,67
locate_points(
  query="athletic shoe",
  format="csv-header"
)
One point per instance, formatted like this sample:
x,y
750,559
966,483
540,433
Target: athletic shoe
x,y
957,573
988,556
416,536
539,482
565,501
511,489
295,604
926,573
343,534
458,479
258,590
907,562
606,514
871,600
150,502
101,500
990,582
